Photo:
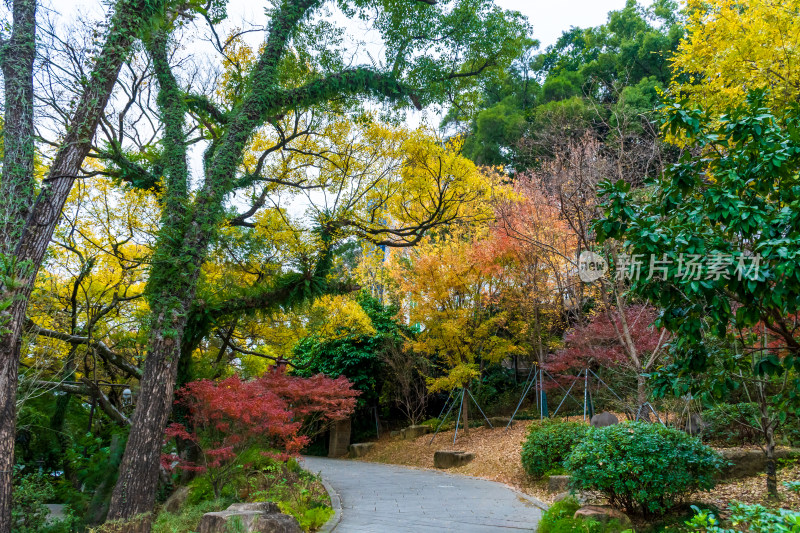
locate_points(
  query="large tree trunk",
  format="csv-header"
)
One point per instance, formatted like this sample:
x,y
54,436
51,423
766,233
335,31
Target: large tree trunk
x,y
134,493
17,188
180,252
136,486
19,238
9,356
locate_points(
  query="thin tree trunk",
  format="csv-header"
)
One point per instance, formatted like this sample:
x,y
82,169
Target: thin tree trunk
x,y
772,473
641,394
59,416
465,410
768,430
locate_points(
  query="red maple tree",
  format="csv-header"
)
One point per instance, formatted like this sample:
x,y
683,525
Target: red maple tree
x,y
276,412
633,344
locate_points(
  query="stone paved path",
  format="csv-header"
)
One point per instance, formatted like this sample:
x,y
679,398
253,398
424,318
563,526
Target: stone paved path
x,y
378,498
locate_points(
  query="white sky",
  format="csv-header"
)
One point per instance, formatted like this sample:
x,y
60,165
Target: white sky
x,y
552,17
549,17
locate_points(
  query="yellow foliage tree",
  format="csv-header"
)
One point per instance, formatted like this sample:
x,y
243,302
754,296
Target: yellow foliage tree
x,y
86,312
452,293
732,47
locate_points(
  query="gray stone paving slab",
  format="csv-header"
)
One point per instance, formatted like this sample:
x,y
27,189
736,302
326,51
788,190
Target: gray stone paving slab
x,y
378,498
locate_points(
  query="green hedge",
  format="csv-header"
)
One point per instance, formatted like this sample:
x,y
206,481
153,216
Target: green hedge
x,y
548,444
642,468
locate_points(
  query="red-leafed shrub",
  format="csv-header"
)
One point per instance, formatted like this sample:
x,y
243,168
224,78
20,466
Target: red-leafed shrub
x,y
276,412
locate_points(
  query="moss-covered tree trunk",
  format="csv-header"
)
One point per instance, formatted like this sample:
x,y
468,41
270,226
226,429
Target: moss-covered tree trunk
x,y
17,187
138,477
192,221
171,288
186,230
29,221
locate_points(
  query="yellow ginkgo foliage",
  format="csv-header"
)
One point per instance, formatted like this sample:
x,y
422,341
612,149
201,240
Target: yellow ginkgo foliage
x,y
733,47
334,317
451,292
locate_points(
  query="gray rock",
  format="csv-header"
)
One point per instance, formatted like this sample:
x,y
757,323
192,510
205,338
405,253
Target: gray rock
x,y
361,449
695,425
603,515
561,496
260,507
412,432
604,419
177,500
261,517
558,483
56,512
445,459
218,522
339,438
277,523
581,497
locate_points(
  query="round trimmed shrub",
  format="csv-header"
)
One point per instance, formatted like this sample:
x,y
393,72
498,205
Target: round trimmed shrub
x,y
548,444
642,468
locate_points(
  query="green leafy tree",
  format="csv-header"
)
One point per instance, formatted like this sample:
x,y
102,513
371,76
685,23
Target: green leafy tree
x,y
604,79
357,355
732,203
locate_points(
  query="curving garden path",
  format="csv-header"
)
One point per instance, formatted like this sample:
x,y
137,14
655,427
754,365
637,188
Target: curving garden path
x,y
379,498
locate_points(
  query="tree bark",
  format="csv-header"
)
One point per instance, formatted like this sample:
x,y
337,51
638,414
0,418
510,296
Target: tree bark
x,y
135,489
768,429
772,475
26,246
641,393
17,188
180,251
